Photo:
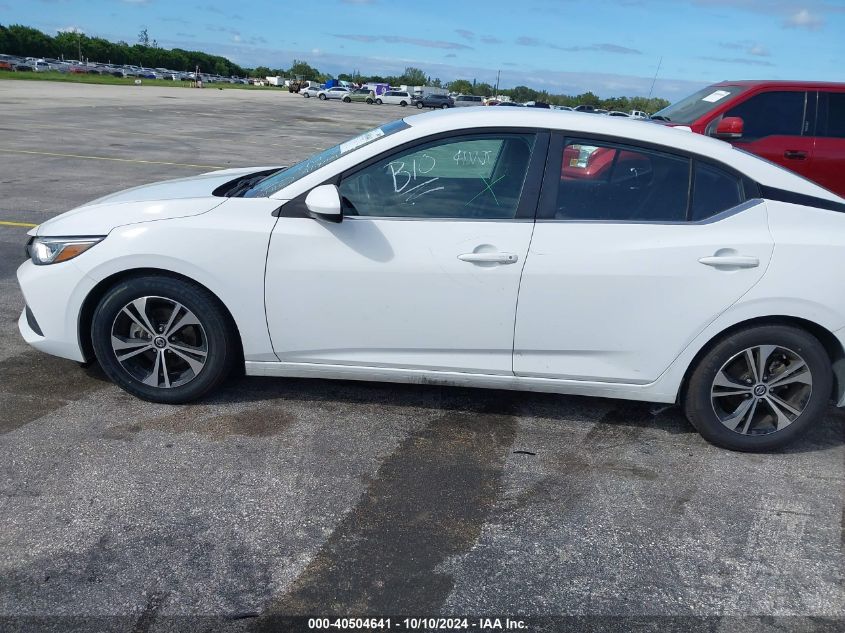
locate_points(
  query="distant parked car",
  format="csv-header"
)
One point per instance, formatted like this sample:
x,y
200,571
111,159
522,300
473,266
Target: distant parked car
x,y
434,101
310,91
510,104
337,92
395,97
465,101
364,95
638,114
618,113
585,108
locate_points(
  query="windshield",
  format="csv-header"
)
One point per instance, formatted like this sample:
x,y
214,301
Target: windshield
x,y
689,110
281,179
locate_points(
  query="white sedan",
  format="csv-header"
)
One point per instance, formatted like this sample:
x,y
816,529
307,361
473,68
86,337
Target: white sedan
x,y
503,248
311,91
337,92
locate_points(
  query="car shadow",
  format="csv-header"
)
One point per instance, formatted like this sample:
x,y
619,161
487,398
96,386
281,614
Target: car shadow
x,y
577,410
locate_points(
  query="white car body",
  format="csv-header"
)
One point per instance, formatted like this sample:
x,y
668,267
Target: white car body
x,y
311,91
614,309
395,97
336,92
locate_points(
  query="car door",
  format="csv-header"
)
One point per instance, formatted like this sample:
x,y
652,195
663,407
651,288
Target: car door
x,y
827,166
424,269
777,127
625,268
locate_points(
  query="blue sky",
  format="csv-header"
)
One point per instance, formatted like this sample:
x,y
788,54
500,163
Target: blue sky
x,y
611,47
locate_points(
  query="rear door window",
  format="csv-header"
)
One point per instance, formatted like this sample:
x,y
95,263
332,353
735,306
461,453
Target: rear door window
x,y
616,183
714,191
831,121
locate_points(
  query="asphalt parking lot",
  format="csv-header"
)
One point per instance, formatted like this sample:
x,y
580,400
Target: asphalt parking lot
x,y
280,497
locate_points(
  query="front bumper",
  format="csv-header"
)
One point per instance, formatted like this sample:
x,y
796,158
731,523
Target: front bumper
x,y
54,295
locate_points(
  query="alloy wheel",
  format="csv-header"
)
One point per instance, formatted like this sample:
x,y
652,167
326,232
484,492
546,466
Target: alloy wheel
x,y
761,390
159,342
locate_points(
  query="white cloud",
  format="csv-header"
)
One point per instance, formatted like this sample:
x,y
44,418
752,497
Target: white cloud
x,y
803,19
70,29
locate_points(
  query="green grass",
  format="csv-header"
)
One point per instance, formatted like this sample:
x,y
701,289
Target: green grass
x,y
118,81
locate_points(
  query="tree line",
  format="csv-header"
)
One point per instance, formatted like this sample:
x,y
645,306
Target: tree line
x,y
26,41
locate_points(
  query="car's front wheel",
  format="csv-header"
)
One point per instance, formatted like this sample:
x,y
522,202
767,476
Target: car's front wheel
x,y
444,106
347,100
378,102
419,105
307,96
163,339
322,97
759,388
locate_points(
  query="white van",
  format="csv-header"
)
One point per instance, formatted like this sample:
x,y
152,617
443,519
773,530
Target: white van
x,y
395,97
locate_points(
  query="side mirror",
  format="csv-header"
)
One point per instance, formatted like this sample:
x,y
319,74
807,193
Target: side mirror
x,y
323,203
730,127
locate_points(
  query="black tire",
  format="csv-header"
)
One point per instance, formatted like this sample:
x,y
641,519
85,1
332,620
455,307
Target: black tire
x,y
444,106
378,102
698,402
322,97
370,101
307,96
220,337
347,100
403,103
419,105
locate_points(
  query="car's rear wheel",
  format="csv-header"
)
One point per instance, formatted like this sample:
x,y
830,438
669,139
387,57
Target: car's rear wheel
x,y
403,103
163,339
444,106
322,97
760,388
370,101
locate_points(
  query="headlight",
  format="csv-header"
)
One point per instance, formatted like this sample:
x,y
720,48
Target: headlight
x,y
52,250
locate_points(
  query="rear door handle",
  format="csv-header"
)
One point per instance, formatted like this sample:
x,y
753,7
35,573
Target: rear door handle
x,y
730,261
795,154
489,258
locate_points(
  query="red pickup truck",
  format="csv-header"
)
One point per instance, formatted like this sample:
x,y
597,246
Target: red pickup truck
x,y
797,124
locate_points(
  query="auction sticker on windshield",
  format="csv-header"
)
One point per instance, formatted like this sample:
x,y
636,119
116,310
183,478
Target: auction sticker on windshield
x,y
713,97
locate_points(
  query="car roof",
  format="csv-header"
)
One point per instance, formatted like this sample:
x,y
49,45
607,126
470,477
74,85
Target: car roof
x,y
622,128
783,83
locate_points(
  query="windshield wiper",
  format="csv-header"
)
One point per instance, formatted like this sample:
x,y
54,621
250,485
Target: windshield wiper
x,y
248,183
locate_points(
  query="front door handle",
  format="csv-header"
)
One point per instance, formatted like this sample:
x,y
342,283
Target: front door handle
x,y
489,258
730,261
795,154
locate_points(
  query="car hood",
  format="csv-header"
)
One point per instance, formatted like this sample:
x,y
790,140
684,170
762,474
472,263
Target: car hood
x,y
157,201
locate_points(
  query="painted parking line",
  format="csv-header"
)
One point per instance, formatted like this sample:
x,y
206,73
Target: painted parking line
x,y
121,160
25,225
